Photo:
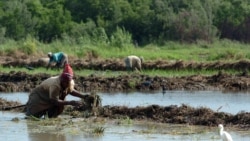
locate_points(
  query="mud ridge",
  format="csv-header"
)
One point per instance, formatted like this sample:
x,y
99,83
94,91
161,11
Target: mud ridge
x,y
118,64
22,82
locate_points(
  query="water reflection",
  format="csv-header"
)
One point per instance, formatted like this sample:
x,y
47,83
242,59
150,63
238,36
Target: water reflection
x,y
215,100
26,130
45,137
10,129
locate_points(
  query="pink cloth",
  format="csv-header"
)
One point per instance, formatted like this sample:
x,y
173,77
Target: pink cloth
x,y
67,72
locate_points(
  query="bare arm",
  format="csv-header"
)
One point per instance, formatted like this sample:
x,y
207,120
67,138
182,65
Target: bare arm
x,y
77,94
59,102
50,61
48,66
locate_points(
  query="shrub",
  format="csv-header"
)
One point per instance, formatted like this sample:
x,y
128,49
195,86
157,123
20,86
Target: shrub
x,y
29,46
121,38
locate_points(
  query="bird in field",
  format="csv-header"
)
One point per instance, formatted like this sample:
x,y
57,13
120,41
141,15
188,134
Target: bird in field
x,y
29,67
225,136
164,89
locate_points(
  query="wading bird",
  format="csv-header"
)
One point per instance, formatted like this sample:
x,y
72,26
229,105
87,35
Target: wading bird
x,y
225,136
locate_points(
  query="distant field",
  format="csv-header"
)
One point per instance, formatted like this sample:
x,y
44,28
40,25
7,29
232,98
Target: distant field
x,y
224,51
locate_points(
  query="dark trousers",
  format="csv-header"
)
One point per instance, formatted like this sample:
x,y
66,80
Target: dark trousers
x,y
52,112
62,62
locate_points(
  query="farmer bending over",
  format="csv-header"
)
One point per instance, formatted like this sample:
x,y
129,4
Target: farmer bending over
x,y
133,62
59,58
48,97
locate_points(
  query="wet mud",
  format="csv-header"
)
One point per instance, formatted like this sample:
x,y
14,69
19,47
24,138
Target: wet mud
x,y
23,82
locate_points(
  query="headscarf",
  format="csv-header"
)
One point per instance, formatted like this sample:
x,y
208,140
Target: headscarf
x,y
67,73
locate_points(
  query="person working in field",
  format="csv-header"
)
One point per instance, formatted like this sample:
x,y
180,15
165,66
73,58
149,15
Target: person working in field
x,y
59,58
48,98
133,62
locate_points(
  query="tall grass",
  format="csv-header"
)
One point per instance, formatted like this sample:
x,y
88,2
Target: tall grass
x,y
120,45
109,73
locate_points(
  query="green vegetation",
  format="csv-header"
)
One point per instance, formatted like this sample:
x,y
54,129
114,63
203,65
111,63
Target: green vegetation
x,y
221,50
196,30
125,121
98,131
141,22
86,72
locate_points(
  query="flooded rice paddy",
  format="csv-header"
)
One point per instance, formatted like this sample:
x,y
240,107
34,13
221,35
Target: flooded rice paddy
x,y
215,100
125,129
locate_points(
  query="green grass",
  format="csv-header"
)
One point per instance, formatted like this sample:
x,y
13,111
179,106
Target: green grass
x,y
98,131
109,73
188,53
221,50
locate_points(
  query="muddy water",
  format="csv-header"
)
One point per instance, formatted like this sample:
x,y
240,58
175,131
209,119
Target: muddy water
x,y
80,129
215,100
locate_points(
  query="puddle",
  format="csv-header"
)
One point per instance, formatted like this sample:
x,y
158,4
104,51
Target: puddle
x,y
80,129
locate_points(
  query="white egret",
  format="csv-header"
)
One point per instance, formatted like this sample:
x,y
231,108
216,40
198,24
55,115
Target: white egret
x,y
225,136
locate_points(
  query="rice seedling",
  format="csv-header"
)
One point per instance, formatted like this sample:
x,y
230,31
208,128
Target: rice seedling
x,y
98,130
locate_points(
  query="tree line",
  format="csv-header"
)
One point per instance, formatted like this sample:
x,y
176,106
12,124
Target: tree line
x,y
146,21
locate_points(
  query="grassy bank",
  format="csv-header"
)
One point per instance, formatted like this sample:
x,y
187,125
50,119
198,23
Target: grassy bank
x,y
109,73
224,50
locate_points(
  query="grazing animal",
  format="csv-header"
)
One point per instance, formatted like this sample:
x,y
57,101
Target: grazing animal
x,y
133,62
225,136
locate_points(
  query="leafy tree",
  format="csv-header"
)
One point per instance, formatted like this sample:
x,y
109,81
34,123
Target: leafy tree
x,y
232,17
83,10
121,38
195,22
146,21
55,23
17,19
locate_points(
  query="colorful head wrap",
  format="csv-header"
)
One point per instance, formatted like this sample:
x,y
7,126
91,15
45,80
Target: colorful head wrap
x,y
67,72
